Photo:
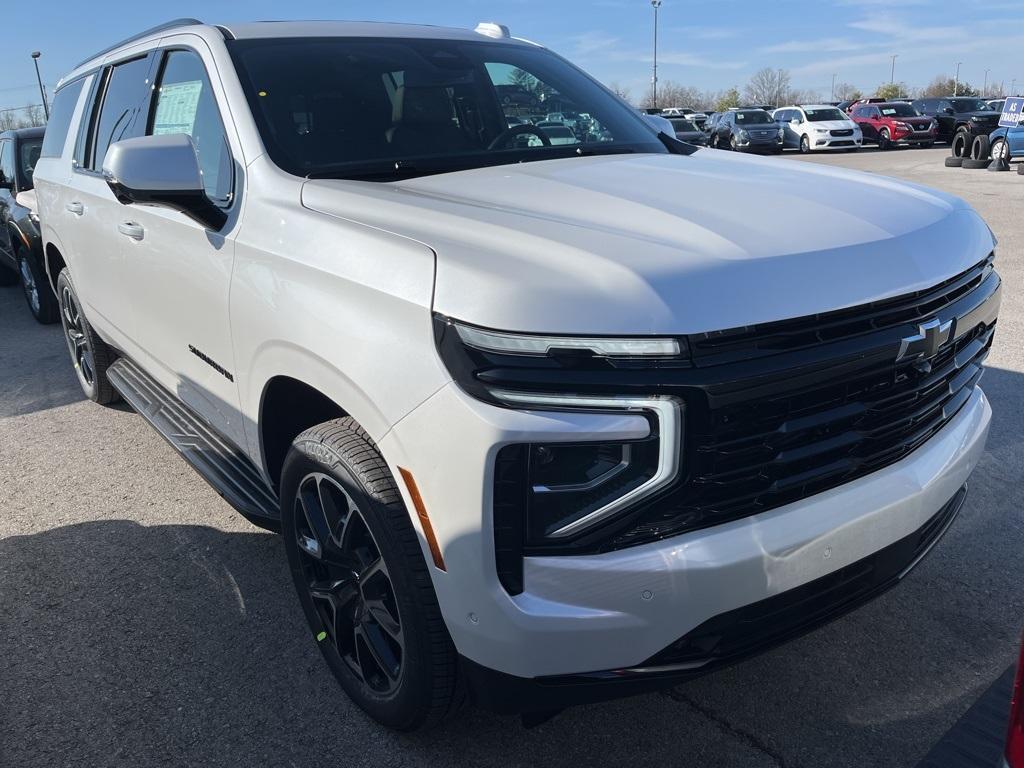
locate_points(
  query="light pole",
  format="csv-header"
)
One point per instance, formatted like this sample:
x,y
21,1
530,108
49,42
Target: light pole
x,y
833,96
655,4
42,92
1013,88
892,69
984,88
956,80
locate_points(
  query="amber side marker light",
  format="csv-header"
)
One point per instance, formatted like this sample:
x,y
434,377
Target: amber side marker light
x,y
421,512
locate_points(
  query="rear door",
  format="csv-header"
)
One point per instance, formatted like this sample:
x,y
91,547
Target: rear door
x,y
90,216
181,271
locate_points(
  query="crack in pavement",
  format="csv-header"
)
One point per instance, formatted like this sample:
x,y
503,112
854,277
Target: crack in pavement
x,y
746,737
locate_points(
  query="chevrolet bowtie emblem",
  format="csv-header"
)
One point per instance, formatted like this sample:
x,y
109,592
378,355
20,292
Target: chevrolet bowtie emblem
x,y
927,341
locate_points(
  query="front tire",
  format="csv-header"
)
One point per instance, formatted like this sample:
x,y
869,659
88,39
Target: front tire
x,y
805,144
362,580
89,353
1000,150
884,139
34,284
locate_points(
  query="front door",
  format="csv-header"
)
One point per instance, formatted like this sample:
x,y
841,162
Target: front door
x,y
7,169
181,271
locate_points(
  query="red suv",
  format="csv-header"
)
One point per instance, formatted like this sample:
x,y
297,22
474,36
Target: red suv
x,y
894,123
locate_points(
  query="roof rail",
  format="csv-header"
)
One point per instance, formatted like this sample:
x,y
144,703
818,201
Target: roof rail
x,y
186,22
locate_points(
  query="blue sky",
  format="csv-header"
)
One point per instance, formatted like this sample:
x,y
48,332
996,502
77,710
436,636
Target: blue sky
x,y
709,45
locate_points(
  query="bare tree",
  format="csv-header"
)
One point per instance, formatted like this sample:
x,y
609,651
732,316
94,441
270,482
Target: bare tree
x,y
619,90
767,86
847,92
34,115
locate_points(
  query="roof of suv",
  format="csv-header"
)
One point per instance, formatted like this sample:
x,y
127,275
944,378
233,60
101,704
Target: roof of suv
x,y
272,29
262,29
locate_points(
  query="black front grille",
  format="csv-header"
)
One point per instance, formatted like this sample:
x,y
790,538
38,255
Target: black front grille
x,y
843,132
761,442
740,633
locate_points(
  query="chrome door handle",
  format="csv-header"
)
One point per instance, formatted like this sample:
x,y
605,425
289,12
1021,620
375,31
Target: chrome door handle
x,y
76,208
131,229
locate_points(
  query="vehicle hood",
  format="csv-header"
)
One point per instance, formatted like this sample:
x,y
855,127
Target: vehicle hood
x,y
664,243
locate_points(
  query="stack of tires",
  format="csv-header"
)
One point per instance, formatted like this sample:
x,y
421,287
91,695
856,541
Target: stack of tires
x,y
969,152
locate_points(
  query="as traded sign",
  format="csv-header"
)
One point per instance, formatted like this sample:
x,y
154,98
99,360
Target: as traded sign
x,y
1011,112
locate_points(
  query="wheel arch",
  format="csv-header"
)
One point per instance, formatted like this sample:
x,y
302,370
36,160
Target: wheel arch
x,y
53,261
288,407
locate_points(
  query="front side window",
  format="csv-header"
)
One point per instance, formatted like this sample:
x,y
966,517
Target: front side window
x,y
124,95
184,103
382,108
61,112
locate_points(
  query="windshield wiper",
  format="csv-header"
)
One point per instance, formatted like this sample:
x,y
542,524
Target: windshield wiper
x,y
582,152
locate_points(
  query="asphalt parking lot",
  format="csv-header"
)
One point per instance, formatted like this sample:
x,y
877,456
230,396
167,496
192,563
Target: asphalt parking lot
x,y
143,622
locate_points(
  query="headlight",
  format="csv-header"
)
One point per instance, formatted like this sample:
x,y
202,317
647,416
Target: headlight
x,y
566,489
782,133
522,344
821,130
975,119
34,217
743,135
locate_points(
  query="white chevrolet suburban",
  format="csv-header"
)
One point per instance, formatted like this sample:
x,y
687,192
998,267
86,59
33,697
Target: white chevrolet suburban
x,y
534,426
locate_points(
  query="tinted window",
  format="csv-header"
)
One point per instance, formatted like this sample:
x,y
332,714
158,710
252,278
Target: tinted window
x,y
356,107
821,115
753,117
27,156
971,105
682,125
899,110
6,161
185,103
124,95
61,112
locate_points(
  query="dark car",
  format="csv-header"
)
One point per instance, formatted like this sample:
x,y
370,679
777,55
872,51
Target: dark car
x,y
688,131
747,129
895,123
516,95
959,113
21,249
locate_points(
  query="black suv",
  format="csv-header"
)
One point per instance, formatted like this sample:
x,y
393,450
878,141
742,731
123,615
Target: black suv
x,y
746,129
955,113
21,250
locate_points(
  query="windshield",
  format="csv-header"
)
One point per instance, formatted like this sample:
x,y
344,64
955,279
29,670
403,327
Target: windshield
x,y
682,125
821,115
970,105
384,108
899,110
28,156
753,117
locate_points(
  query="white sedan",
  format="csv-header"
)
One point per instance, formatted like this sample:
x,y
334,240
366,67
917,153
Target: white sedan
x,y
818,126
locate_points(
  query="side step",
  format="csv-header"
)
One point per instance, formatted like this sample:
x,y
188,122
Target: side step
x,y
222,465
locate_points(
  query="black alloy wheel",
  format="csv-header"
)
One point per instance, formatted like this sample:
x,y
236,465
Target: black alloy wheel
x,y
883,139
76,336
349,584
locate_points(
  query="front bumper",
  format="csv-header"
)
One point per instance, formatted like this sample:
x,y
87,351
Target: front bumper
x,y
616,610
828,141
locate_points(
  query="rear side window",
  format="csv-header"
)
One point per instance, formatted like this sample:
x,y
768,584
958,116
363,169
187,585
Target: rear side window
x,y
124,94
61,112
184,103
7,161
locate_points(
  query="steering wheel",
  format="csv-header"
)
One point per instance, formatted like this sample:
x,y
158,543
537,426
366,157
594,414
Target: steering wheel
x,y
502,138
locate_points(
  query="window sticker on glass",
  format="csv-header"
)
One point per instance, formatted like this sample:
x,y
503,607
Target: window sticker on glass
x,y
176,108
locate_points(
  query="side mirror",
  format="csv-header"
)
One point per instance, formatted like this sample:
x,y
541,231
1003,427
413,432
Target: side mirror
x,y
796,121
948,111
162,171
